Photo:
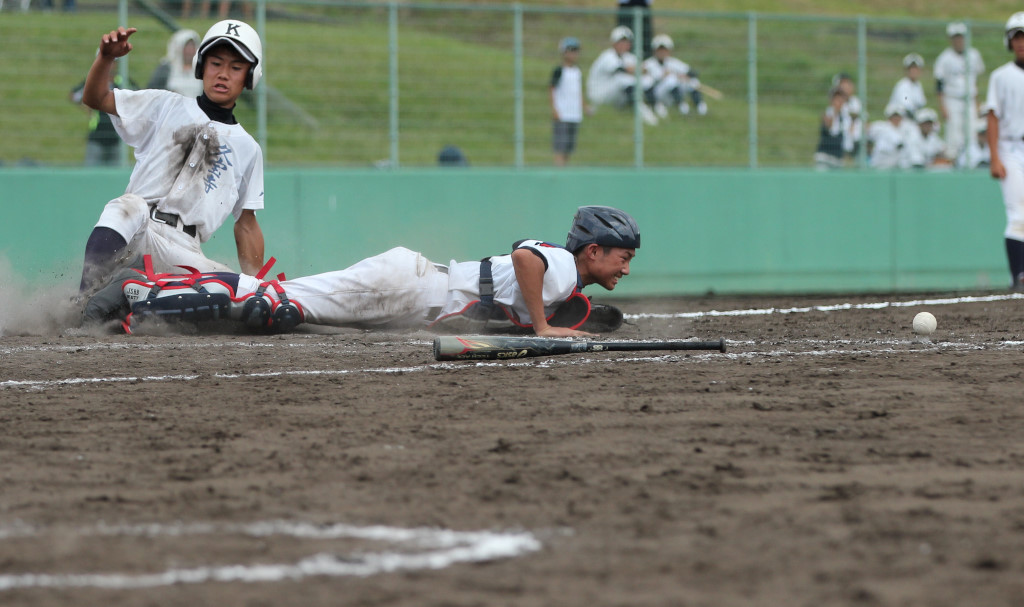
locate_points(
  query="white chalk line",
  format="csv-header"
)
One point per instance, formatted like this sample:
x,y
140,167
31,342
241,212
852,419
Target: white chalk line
x,y
834,307
234,345
72,381
44,384
859,348
423,548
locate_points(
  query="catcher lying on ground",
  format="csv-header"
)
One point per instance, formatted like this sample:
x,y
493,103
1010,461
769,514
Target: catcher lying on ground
x,y
537,286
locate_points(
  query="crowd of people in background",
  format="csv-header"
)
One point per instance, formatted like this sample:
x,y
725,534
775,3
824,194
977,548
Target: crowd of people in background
x,y
666,83
910,134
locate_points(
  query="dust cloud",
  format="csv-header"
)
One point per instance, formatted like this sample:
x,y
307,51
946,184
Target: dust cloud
x,y
36,308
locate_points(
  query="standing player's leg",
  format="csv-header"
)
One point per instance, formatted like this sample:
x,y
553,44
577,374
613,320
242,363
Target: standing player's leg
x,y
120,220
570,144
558,142
1013,198
100,250
955,125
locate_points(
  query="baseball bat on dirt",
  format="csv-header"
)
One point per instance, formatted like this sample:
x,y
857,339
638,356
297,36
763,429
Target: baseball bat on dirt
x,y
500,347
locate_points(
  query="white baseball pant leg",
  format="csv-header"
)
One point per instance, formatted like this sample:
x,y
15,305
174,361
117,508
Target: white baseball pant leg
x,y
613,90
1011,153
170,248
395,288
663,89
959,125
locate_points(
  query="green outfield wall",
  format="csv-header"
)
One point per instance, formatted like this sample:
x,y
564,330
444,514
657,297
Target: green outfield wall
x,y
727,231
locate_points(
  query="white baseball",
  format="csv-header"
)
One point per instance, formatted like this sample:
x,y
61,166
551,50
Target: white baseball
x,y
924,323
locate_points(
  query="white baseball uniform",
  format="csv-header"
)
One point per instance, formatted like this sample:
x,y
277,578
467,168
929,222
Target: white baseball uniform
x,y
909,94
921,151
395,288
187,165
1005,99
959,94
561,281
398,288
608,79
664,76
887,140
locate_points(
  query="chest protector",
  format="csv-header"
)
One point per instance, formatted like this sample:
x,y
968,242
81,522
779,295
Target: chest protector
x,y
485,314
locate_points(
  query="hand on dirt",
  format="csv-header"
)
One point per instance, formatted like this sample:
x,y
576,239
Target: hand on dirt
x,y
550,331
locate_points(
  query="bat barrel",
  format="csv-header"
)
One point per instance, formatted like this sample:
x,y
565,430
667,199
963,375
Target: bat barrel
x,y
490,347
620,346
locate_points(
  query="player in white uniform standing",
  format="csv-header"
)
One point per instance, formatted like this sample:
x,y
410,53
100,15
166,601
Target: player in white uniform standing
x,y
908,91
957,93
537,286
612,78
195,165
1005,102
670,80
566,101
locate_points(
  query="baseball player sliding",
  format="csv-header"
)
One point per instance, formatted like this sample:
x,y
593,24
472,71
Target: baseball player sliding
x,y
1006,143
537,286
195,165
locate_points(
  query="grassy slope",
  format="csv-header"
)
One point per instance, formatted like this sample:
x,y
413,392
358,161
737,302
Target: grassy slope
x,y
341,81
997,10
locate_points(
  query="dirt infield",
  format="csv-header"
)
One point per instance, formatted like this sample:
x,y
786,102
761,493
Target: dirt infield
x,y
829,458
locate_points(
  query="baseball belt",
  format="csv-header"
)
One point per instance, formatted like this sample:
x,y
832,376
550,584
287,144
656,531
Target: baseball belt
x,y
172,220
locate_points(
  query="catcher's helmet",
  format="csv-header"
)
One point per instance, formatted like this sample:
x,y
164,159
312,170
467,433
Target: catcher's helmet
x,y
662,41
621,33
1013,25
243,38
606,226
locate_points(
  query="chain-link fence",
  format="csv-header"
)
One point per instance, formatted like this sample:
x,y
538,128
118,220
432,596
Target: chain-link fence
x,y
352,84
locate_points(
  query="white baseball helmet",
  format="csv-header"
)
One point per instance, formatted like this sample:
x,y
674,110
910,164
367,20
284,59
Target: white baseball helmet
x,y
621,33
926,114
243,38
956,29
913,59
1013,25
662,41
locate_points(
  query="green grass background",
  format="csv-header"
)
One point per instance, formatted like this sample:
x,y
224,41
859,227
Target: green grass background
x,y
456,77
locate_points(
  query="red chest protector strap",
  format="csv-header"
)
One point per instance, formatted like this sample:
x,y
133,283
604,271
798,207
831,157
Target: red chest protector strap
x,y
573,312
